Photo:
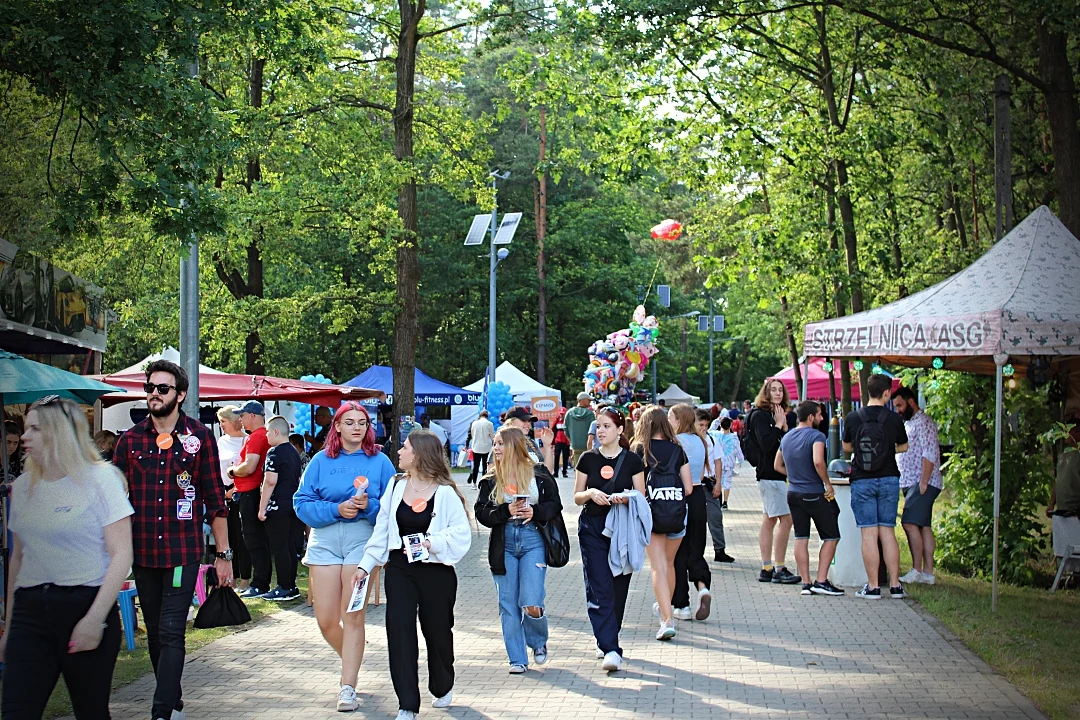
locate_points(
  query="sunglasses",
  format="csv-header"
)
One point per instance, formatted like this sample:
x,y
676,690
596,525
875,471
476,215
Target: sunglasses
x,y
160,388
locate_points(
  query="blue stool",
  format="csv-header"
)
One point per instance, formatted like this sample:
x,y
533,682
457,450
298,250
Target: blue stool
x,y
127,615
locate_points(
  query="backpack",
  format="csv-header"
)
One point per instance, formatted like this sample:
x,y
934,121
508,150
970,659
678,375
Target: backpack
x,y
871,448
666,498
750,449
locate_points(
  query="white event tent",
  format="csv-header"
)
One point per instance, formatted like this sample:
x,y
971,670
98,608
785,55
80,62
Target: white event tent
x,y
522,387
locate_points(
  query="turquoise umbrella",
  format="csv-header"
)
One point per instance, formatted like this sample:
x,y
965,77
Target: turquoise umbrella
x,y
23,381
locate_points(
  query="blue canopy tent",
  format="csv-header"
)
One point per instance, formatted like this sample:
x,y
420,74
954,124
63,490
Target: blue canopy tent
x,y
428,390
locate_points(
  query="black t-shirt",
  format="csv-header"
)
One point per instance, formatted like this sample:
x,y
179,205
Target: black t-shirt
x,y
761,426
895,434
410,522
662,450
285,461
592,464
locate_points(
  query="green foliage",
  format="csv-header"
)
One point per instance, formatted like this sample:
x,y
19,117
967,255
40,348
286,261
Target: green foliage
x,y
963,407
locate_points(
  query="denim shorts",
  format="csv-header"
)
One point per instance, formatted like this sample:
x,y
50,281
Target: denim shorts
x,y
874,501
341,543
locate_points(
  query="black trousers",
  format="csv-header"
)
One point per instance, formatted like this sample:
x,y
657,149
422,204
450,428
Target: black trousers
x,y
562,450
605,594
258,546
241,561
165,608
690,563
479,466
428,590
37,654
284,531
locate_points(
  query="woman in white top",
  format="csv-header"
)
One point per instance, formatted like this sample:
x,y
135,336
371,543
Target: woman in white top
x,y
424,506
229,444
691,567
72,550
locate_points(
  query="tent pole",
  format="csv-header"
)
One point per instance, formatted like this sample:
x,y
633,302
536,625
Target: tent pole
x,y
805,378
4,490
999,361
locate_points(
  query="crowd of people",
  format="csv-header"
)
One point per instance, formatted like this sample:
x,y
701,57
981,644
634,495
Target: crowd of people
x,y
652,486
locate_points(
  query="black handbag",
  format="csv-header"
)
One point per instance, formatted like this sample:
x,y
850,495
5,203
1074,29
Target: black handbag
x,y
556,541
222,607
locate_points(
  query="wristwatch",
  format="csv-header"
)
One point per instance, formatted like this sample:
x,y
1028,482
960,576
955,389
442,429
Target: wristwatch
x,y
227,555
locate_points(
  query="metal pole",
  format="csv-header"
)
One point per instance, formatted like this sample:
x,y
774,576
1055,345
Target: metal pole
x,y
654,377
999,361
491,283
710,351
806,378
189,305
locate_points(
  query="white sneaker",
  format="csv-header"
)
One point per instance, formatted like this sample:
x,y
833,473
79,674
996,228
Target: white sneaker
x,y
656,610
599,653
444,701
704,600
926,579
612,661
912,576
346,699
406,715
682,613
177,715
666,631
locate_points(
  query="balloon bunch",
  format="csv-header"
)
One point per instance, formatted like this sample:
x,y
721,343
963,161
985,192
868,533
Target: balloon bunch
x,y
499,399
617,363
305,423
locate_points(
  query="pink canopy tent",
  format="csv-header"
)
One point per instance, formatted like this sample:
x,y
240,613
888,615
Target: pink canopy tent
x,y
818,384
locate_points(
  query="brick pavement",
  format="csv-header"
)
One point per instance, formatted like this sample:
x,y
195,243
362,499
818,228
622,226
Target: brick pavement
x,y
766,652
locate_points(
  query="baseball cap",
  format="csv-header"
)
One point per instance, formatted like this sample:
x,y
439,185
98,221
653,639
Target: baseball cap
x,y
522,414
584,396
253,407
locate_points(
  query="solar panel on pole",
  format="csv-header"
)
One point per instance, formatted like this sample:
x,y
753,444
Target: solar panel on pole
x,y
702,323
478,230
718,323
507,228
664,293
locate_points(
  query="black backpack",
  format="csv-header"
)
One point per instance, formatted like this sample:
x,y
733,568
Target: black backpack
x,y
871,449
666,497
750,450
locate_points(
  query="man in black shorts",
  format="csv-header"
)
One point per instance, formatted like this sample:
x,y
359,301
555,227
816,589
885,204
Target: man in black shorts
x,y
810,497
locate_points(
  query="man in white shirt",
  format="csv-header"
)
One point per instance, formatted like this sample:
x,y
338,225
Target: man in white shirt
x,y
482,433
920,482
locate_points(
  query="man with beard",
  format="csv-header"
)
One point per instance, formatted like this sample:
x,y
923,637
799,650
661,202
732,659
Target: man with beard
x,y
323,416
920,483
170,462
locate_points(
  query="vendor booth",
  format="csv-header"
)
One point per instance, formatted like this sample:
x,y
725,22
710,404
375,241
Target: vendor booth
x,y
1017,304
816,382
522,387
117,417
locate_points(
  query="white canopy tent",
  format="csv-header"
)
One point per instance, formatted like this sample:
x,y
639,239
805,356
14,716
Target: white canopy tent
x,y
117,418
1020,300
522,387
675,395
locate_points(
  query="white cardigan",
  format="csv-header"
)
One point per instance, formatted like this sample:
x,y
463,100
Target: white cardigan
x,y
450,534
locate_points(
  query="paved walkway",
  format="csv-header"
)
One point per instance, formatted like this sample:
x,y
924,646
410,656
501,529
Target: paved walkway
x,y
766,652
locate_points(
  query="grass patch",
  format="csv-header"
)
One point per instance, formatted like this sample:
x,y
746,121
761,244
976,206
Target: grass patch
x,y
132,665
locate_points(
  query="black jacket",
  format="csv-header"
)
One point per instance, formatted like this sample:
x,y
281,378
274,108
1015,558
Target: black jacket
x,y
496,515
763,431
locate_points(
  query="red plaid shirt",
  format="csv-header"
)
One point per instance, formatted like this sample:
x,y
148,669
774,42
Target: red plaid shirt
x,y
168,489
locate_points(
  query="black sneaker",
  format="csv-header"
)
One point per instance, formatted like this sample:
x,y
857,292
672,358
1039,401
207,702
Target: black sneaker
x,y
783,576
806,589
252,593
766,575
722,556
897,593
723,505
869,593
825,588
280,594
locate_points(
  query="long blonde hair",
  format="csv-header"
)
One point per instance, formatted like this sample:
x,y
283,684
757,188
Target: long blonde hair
x,y
66,443
515,468
653,421
430,461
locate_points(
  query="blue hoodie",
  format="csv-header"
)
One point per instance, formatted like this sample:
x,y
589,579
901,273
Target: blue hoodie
x,y
329,482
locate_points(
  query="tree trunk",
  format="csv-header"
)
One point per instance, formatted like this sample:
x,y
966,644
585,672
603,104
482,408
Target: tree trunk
x,y
839,296
1063,114
407,323
792,349
745,353
540,188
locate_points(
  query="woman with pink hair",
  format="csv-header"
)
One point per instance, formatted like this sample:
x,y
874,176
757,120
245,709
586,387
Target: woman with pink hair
x,y
339,499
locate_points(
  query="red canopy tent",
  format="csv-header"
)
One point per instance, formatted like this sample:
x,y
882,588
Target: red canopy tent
x,y
818,383
223,386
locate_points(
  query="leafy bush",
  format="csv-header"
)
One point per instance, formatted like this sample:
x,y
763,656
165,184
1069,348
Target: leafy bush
x,y
963,407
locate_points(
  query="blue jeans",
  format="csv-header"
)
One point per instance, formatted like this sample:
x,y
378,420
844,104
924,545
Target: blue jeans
x,y
522,586
874,501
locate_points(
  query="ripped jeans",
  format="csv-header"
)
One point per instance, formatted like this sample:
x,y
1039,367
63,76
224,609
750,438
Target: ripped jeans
x,y
522,587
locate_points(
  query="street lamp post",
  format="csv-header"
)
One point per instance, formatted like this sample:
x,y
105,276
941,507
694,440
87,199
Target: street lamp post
x,y
692,313
495,259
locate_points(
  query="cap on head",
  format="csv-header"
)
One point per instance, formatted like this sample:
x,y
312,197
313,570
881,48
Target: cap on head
x,y
253,407
584,396
520,413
